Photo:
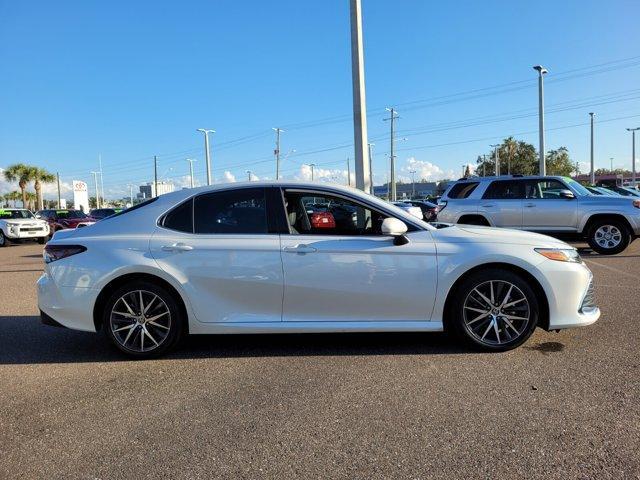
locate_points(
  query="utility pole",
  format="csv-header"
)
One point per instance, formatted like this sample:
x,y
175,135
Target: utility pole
x,y
592,177
370,151
633,154
392,118
191,160
464,167
541,71
95,180
207,152
312,165
484,165
155,176
413,183
496,154
348,172
277,151
101,176
363,176
611,160
249,173
130,194
59,199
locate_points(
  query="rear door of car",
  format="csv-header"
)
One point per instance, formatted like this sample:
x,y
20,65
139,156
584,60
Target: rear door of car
x,y
501,203
225,251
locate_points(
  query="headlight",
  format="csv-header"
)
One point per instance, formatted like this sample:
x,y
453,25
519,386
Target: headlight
x,y
560,254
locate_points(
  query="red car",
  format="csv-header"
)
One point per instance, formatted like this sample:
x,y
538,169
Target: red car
x,y
61,219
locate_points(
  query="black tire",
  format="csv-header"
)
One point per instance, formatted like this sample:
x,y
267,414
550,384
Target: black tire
x,y
3,240
510,333
42,240
175,321
620,236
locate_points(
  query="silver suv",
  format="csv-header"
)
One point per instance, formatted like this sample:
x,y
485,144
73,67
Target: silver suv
x,y
551,205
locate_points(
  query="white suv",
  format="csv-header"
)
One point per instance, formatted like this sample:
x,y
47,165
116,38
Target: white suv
x,y
551,205
17,224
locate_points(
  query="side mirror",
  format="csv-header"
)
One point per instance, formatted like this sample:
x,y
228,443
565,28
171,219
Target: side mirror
x,y
397,229
567,194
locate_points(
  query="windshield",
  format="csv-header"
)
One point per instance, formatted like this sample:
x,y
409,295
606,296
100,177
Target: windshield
x,y
581,190
71,214
14,214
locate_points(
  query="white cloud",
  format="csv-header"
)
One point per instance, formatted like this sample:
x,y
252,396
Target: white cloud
x,y
228,177
425,171
324,175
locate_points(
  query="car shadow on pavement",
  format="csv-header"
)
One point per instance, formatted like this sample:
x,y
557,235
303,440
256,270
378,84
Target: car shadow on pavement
x,y
24,340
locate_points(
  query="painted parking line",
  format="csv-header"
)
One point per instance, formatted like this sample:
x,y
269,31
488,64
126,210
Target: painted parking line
x,y
613,269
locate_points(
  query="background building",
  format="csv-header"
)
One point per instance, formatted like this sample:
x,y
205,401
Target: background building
x,y
149,190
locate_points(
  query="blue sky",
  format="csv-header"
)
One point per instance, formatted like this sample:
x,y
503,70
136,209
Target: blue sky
x,y
128,80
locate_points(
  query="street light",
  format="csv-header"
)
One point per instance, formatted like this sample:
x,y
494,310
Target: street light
x,y
206,151
592,177
633,154
541,71
312,165
413,183
191,160
250,173
497,157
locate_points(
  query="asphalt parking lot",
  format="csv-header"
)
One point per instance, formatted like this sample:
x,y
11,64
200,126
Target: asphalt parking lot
x,y
565,405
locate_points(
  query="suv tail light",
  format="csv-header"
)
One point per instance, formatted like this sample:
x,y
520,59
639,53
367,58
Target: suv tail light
x,y
636,203
58,252
441,205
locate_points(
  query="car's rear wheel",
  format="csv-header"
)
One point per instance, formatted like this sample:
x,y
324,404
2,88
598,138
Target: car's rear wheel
x,y
609,237
142,319
3,240
42,240
494,310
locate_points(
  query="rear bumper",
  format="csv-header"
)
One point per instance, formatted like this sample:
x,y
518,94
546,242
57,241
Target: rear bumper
x,y
70,307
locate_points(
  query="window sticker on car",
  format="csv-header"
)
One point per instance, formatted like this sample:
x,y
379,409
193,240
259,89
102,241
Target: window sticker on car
x,y
61,211
4,213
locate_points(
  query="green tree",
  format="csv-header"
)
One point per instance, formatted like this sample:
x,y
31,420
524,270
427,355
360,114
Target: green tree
x,y
31,200
21,173
40,176
559,163
516,157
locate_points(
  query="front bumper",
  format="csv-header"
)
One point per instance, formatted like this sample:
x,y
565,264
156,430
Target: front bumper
x,y
24,233
71,307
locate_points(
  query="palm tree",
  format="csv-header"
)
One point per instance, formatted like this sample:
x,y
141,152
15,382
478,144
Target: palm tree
x,y
21,173
40,176
15,196
31,200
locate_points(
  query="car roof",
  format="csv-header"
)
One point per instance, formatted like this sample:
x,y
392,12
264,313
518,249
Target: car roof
x,y
508,177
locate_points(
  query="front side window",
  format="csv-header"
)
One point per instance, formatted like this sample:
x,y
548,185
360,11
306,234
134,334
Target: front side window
x,y
544,189
324,214
241,211
504,190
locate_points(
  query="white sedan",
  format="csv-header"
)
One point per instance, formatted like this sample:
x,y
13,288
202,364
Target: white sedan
x,y
249,258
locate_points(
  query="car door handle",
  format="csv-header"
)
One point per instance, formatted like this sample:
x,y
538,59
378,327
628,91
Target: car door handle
x,y
177,247
488,205
529,205
299,249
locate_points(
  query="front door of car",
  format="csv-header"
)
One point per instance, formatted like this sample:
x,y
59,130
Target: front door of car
x,y
502,203
223,250
546,210
338,267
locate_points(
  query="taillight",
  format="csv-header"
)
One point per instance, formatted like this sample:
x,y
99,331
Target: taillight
x,y
442,204
57,252
636,203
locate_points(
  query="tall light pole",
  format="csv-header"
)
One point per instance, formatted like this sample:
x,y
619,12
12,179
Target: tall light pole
x,y
413,183
95,180
101,176
392,118
207,152
276,152
130,193
59,200
633,154
541,71
155,176
370,151
348,172
496,154
592,177
611,160
363,177
249,173
191,160
312,165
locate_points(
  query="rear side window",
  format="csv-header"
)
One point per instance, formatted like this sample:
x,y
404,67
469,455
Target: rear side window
x,y
235,211
180,218
462,190
505,190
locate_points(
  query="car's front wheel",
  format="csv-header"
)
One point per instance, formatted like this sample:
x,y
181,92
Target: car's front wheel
x,y
609,237
3,240
142,319
494,310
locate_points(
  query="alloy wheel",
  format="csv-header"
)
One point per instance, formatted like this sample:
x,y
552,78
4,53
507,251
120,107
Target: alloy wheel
x,y
608,236
140,321
496,312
